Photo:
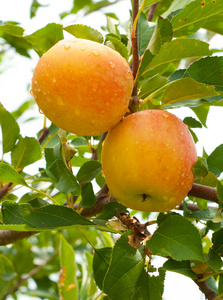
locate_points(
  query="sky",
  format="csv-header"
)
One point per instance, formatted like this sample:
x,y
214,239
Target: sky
x,y
18,73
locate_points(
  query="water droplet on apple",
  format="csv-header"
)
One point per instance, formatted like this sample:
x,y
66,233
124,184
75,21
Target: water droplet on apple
x,y
82,48
165,198
85,64
165,115
67,46
31,92
112,65
40,111
181,133
95,52
125,64
54,79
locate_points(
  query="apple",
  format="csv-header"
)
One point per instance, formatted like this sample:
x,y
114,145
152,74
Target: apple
x,y
147,161
82,86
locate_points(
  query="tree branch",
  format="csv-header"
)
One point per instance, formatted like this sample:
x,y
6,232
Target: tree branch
x,y
134,102
208,292
151,12
204,192
102,198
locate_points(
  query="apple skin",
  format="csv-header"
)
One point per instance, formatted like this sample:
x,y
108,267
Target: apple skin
x,y
82,86
147,161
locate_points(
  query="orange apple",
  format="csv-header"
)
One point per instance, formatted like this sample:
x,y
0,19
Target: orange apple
x,y
82,86
147,161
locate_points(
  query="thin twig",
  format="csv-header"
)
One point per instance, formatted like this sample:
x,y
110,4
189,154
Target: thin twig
x,y
208,292
151,12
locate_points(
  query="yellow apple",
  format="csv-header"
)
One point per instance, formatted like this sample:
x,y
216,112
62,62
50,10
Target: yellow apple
x,y
147,161
82,86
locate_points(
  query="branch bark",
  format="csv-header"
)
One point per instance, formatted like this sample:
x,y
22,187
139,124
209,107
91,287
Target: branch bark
x,y
134,102
204,192
151,12
208,292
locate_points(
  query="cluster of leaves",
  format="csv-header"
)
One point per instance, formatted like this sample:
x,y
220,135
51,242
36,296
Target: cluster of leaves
x,y
176,69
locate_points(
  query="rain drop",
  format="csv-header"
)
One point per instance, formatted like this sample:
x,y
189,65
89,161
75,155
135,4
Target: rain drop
x,y
82,48
165,115
95,52
112,65
60,101
31,93
54,79
40,111
67,46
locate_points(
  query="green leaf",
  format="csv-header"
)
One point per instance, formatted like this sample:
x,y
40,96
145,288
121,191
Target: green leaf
x,y
11,29
214,260
217,240
220,284
181,267
167,7
67,284
7,270
145,32
200,168
177,238
150,85
110,209
214,24
10,130
8,174
155,41
84,32
202,113
112,26
191,122
88,171
208,70
175,50
101,264
194,15
149,287
44,218
88,285
215,160
34,7
58,171
166,30
220,193
117,45
204,214
127,264
44,38
26,152
185,89
149,2
88,196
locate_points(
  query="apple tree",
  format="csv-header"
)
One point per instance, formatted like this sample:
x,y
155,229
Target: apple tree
x,y
63,235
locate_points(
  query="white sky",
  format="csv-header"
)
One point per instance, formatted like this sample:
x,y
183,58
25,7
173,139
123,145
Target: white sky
x,y
17,74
